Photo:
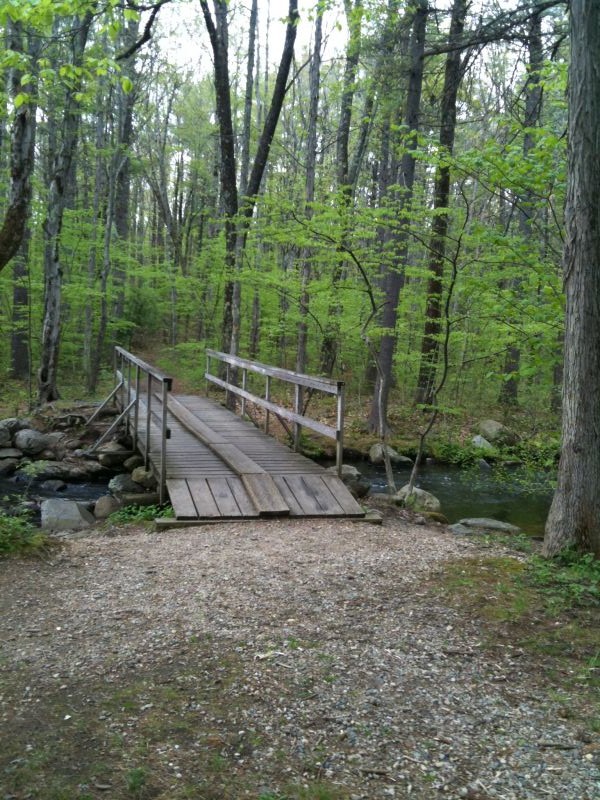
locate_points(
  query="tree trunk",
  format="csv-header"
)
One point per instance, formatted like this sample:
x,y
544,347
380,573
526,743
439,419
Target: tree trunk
x,y
22,147
236,230
394,278
57,198
311,164
574,517
20,337
430,344
509,392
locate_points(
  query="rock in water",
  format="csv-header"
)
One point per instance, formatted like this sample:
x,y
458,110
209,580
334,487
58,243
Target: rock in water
x,y
376,455
488,524
420,500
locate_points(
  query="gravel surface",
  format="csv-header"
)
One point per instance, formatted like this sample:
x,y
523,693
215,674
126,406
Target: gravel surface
x,y
332,657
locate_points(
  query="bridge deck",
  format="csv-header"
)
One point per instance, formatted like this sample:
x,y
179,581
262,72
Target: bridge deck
x,y
221,466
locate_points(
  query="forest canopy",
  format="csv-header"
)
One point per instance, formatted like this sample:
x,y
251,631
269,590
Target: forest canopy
x,y
388,198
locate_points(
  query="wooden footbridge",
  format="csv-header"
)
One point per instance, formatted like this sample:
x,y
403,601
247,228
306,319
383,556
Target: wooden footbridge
x,y
215,464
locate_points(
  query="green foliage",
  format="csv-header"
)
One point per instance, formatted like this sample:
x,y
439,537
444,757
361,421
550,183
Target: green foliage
x,y
567,581
129,514
19,536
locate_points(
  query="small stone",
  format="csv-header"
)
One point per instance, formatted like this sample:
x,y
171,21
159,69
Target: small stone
x,y
144,477
105,506
132,462
377,451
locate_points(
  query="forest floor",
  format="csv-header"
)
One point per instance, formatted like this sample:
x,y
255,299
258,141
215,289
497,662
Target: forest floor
x,y
305,660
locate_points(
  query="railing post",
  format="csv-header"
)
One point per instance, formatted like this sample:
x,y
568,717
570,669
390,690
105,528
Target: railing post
x,y
206,383
297,410
339,449
267,398
148,419
227,392
127,422
136,408
244,382
163,445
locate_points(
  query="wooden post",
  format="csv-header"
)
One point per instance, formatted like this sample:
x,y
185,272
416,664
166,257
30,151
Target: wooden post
x,y
136,408
244,381
297,410
227,392
148,419
163,444
207,373
339,448
268,398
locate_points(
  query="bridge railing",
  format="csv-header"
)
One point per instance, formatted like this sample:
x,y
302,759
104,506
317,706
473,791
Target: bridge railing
x,y
142,394
300,382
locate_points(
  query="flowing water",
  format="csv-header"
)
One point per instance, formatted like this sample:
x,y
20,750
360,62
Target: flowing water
x,y
514,495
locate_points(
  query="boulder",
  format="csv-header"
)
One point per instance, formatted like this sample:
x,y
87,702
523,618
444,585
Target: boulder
x,y
497,433
12,425
61,515
133,461
420,500
490,525
32,442
124,484
482,444
461,530
348,471
10,452
376,454
106,505
144,477
113,454
5,437
8,466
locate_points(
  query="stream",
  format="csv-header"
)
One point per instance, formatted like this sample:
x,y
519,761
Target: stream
x,y
514,495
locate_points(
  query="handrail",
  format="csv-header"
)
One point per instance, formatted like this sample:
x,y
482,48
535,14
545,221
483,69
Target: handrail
x,y
298,380
131,370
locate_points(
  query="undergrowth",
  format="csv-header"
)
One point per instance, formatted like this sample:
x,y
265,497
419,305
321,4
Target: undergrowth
x,y
139,514
19,536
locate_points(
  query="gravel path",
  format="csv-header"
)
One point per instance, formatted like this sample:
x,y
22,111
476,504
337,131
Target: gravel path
x,y
332,658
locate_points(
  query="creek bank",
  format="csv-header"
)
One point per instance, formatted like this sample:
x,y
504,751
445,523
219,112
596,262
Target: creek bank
x,y
48,473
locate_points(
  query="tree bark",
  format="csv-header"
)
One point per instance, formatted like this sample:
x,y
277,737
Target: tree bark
x,y
394,277
509,392
574,517
22,148
311,165
57,198
430,345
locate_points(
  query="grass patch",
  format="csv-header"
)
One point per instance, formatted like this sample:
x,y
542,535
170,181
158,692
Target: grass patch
x,y
548,608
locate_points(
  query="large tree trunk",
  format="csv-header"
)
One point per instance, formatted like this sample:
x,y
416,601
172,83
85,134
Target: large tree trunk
x,y
394,278
22,146
57,199
574,517
430,344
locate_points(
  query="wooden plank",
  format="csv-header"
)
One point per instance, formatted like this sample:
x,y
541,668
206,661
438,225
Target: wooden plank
x,y
288,496
203,499
181,500
265,495
224,497
189,420
315,485
342,495
306,499
245,504
239,462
